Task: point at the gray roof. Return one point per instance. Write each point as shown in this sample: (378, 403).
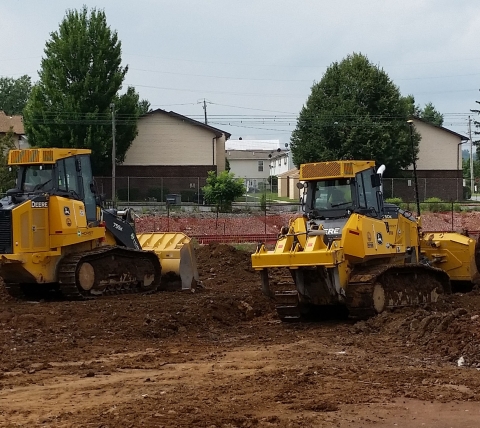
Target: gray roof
(248, 154)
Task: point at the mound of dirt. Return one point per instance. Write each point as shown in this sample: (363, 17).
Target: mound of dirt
(447, 329)
(224, 266)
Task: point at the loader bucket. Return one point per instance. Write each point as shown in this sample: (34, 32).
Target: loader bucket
(177, 258)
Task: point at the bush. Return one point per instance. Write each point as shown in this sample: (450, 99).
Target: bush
(467, 192)
(399, 203)
(263, 202)
(222, 189)
(435, 205)
(395, 201)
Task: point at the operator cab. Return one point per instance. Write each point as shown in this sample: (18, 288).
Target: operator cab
(340, 197)
(69, 177)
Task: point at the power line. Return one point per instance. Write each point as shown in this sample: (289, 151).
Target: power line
(222, 77)
(219, 92)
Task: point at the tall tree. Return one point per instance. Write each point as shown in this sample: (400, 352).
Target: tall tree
(355, 111)
(7, 175)
(143, 107)
(80, 77)
(14, 94)
(431, 114)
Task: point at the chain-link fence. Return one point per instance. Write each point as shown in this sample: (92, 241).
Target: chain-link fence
(263, 222)
(189, 189)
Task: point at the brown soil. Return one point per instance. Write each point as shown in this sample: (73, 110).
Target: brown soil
(219, 357)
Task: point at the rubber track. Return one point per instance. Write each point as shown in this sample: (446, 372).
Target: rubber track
(360, 288)
(69, 264)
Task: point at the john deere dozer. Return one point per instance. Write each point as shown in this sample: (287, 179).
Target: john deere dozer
(54, 234)
(350, 250)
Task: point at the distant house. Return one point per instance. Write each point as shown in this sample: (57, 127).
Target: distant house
(439, 168)
(171, 154)
(250, 165)
(280, 162)
(287, 184)
(15, 124)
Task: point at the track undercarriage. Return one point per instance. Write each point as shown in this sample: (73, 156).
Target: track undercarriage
(369, 292)
(105, 270)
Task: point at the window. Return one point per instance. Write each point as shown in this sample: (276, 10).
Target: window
(90, 203)
(279, 162)
(367, 195)
(38, 177)
(285, 160)
(260, 166)
(71, 176)
(333, 194)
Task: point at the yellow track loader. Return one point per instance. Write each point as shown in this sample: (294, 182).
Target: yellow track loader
(350, 250)
(54, 234)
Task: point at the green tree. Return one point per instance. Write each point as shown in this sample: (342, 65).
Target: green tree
(466, 168)
(355, 111)
(14, 94)
(143, 107)
(7, 175)
(430, 114)
(222, 189)
(80, 77)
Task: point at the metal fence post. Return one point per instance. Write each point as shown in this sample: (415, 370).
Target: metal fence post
(198, 190)
(452, 216)
(168, 217)
(265, 216)
(128, 189)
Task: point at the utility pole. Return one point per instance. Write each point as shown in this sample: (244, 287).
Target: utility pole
(114, 154)
(417, 197)
(205, 109)
(472, 181)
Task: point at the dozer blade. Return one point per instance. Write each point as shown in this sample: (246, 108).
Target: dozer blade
(177, 258)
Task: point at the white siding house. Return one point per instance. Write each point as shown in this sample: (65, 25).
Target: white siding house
(168, 138)
(252, 166)
(280, 162)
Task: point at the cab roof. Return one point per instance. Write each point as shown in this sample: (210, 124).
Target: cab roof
(334, 169)
(42, 155)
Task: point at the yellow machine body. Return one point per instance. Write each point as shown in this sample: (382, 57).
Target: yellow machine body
(339, 253)
(40, 228)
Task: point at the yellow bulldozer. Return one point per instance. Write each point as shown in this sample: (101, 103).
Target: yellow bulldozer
(352, 251)
(56, 235)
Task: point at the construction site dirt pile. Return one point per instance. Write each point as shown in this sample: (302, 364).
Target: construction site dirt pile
(218, 356)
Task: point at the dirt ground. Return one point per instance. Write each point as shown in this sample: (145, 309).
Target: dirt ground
(219, 357)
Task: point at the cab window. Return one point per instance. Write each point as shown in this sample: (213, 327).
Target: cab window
(68, 176)
(38, 177)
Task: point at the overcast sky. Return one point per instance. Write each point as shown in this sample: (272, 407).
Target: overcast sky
(255, 59)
